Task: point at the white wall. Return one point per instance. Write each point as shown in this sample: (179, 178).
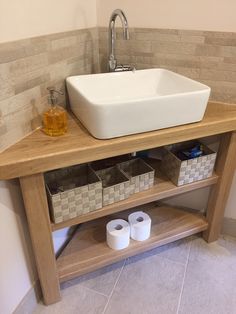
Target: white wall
(212, 15)
(16, 266)
(27, 18)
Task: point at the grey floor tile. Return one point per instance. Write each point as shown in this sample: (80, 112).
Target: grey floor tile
(177, 251)
(102, 280)
(210, 280)
(147, 285)
(151, 283)
(75, 300)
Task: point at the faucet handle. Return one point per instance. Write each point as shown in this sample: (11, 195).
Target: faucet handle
(124, 67)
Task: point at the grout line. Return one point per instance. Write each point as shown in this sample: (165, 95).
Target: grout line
(118, 277)
(112, 291)
(171, 260)
(98, 292)
(185, 271)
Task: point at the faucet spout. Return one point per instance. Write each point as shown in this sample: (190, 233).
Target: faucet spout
(126, 34)
(112, 63)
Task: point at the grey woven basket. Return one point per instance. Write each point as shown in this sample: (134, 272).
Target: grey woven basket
(188, 171)
(72, 192)
(116, 185)
(141, 175)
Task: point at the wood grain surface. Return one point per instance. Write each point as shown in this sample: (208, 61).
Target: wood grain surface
(225, 166)
(88, 250)
(36, 207)
(39, 153)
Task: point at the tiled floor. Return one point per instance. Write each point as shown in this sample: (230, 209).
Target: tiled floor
(187, 277)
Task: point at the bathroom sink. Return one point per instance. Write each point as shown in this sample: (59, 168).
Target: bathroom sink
(116, 104)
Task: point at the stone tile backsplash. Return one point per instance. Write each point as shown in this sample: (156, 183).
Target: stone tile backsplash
(29, 66)
(209, 57)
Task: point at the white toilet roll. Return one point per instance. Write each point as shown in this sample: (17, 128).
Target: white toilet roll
(118, 234)
(140, 226)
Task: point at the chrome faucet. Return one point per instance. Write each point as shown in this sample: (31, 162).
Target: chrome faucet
(112, 62)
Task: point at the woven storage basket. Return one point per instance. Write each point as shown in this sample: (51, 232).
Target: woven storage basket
(72, 192)
(187, 171)
(116, 185)
(141, 175)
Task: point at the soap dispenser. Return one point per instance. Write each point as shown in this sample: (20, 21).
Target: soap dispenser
(55, 119)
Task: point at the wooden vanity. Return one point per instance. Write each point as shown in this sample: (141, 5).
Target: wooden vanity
(87, 251)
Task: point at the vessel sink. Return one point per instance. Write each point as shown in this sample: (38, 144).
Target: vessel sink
(116, 104)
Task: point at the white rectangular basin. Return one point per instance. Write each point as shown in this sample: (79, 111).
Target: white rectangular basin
(116, 104)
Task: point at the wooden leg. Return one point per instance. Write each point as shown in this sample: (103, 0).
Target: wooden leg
(225, 166)
(35, 200)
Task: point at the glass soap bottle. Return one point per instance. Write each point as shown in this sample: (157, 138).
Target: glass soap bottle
(55, 119)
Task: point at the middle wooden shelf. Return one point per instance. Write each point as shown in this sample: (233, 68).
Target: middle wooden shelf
(163, 188)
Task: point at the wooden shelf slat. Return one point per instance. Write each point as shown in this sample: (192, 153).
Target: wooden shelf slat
(163, 188)
(88, 251)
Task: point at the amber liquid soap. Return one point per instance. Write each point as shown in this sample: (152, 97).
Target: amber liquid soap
(55, 119)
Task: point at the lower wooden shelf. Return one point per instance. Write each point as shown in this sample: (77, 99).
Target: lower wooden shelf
(88, 251)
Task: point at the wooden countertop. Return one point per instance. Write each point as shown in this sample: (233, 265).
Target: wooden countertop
(39, 153)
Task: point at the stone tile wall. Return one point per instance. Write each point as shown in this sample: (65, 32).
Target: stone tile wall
(209, 57)
(28, 67)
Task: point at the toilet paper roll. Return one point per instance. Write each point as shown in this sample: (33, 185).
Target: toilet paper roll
(118, 234)
(140, 226)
